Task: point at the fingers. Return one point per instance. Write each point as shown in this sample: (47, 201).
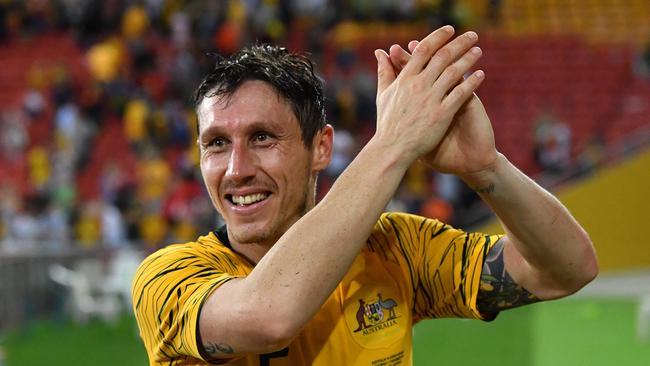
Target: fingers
(412, 45)
(453, 74)
(441, 73)
(444, 59)
(462, 92)
(399, 57)
(426, 48)
(385, 72)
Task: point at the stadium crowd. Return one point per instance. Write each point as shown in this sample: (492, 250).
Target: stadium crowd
(140, 64)
(100, 150)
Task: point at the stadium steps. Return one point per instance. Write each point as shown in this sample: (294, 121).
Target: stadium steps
(597, 21)
(578, 83)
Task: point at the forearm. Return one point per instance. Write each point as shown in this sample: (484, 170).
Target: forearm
(319, 248)
(557, 252)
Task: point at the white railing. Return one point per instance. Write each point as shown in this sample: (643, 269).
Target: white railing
(73, 282)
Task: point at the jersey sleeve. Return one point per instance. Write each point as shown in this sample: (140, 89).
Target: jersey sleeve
(168, 292)
(445, 265)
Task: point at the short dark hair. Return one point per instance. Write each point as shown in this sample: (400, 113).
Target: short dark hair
(291, 75)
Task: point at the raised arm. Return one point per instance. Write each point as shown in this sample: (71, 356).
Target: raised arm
(545, 254)
(265, 310)
(545, 251)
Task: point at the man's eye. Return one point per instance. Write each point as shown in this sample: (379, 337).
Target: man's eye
(262, 137)
(217, 143)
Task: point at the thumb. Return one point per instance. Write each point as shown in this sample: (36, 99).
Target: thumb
(385, 72)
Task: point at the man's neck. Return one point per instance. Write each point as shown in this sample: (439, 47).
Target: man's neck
(253, 252)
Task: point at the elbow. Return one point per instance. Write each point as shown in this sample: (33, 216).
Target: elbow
(590, 263)
(275, 335)
(272, 331)
(586, 268)
(248, 329)
(571, 278)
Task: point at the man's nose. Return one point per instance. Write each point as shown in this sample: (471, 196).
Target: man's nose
(242, 162)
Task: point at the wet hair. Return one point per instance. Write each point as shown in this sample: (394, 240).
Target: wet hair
(291, 75)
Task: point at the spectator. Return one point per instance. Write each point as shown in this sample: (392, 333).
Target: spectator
(437, 208)
(39, 168)
(552, 144)
(154, 174)
(641, 65)
(344, 149)
(34, 103)
(13, 134)
(136, 114)
(106, 59)
(88, 225)
(113, 233)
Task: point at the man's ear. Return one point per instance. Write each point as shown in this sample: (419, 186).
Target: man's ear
(322, 148)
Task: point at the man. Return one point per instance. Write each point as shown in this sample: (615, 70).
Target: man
(289, 282)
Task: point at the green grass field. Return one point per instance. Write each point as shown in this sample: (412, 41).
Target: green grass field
(65, 343)
(568, 332)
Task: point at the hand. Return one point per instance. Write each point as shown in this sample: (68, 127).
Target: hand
(416, 107)
(468, 148)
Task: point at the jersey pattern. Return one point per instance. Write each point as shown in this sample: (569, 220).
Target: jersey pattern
(412, 268)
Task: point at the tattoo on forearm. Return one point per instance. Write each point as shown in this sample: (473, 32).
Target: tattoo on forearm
(498, 291)
(485, 190)
(216, 348)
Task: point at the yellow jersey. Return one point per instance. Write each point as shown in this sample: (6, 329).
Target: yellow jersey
(411, 268)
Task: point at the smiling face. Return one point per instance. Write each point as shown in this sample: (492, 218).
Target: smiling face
(260, 175)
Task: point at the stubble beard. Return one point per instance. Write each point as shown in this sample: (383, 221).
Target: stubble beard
(276, 228)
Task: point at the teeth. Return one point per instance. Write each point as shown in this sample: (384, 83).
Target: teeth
(247, 200)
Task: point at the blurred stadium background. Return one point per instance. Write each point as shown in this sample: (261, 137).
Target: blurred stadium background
(98, 166)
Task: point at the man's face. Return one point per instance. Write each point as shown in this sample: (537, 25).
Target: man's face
(259, 174)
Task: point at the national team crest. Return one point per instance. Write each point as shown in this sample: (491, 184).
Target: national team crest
(376, 320)
(375, 313)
